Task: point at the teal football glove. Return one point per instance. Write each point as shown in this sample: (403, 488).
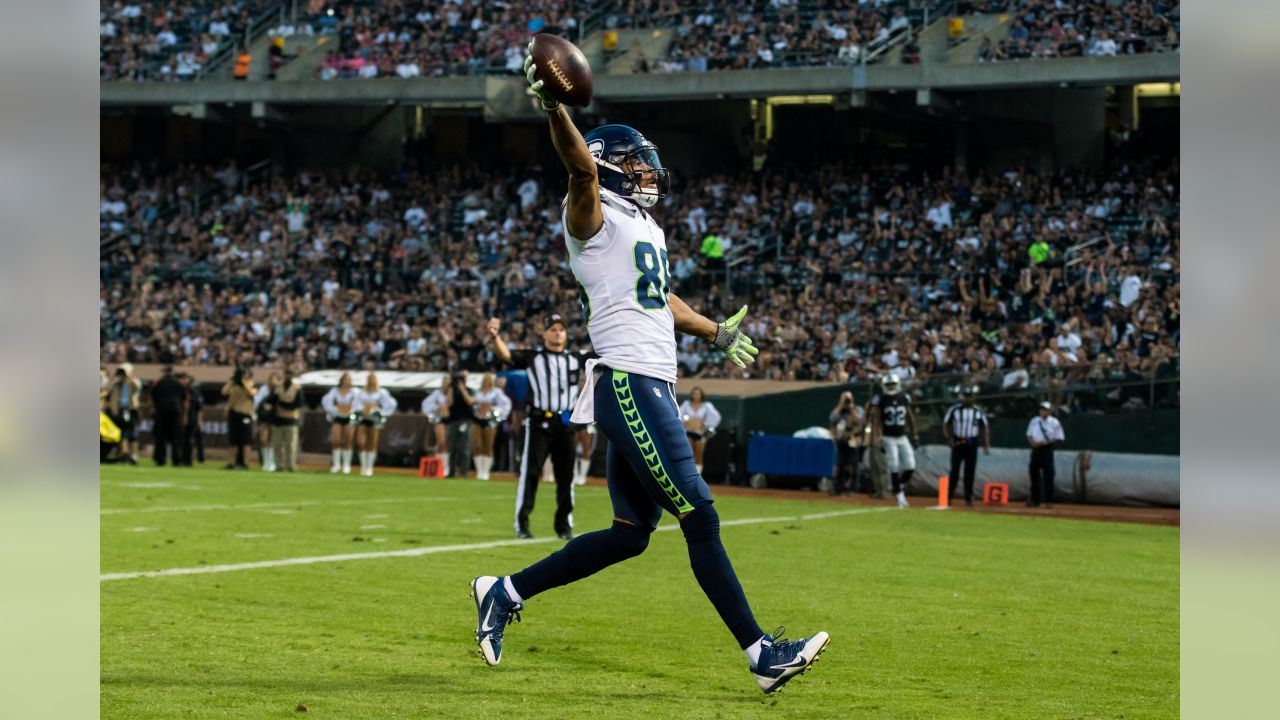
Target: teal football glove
(732, 342)
(535, 86)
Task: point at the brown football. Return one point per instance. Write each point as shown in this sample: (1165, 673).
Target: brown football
(563, 69)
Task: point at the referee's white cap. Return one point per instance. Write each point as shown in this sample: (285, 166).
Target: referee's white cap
(1046, 405)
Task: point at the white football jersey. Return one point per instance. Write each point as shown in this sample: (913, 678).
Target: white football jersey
(623, 280)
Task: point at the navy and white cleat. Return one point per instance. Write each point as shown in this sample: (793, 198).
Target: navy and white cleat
(496, 611)
(782, 659)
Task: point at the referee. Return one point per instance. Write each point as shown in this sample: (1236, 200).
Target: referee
(553, 387)
(961, 426)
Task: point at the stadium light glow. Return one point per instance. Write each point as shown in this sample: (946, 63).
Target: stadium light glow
(1158, 89)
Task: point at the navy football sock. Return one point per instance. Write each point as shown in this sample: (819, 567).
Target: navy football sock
(715, 574)
(583, 556)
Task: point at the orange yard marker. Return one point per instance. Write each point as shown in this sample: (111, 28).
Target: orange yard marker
(995, 494)
(431, 467)
(944, 484)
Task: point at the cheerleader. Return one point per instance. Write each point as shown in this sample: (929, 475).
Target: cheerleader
(700, 421)
(264, 410)
(338, 406)
(492, 406)
(373, 405)
(436, 408)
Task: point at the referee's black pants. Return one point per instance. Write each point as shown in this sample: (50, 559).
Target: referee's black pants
(1041, 475)
(546, 435)
(964, 453)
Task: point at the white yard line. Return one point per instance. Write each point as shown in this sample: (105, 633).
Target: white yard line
(296, 503)
(415, 552)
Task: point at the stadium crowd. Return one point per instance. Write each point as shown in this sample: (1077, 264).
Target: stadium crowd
(742, 34)
(149, 40)
(1064, 28)
(413, 38)
(1012, 279)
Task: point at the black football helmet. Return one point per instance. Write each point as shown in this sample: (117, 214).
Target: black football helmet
(628, 164)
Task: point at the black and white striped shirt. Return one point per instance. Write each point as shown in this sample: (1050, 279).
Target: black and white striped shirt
(965, 422)
(553, 377)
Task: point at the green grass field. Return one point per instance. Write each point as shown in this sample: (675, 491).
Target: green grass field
(932, 614)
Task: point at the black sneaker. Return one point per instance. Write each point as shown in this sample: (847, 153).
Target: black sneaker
(524, 535)
(968, 503)
(566, 535)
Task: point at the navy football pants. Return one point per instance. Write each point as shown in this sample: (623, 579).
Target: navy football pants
(649, 464)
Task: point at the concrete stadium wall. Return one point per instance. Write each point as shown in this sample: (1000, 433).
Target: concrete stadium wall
(472, 91)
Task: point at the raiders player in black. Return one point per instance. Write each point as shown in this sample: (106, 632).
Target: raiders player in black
(891, 423)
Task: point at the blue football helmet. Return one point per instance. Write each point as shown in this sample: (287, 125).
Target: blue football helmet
(628, 164)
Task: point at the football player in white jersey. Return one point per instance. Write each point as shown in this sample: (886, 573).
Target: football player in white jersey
(619, 256)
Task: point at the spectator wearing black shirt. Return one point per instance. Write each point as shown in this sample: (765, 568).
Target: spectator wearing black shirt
(191, 445)
(168, 397)
(460, 401)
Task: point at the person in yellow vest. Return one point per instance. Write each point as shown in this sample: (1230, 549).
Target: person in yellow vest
(712, 250)
(243, 58)
(284, 436)
(239, 394)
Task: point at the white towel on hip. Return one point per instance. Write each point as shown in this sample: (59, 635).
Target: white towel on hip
(584, 408)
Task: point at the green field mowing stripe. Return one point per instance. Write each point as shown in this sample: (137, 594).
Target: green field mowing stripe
(932, 614)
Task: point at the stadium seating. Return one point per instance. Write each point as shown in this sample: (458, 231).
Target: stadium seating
(148, 40)
(849, 275)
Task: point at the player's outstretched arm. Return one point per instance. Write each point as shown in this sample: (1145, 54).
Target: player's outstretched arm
(583, 215)
(689, 321)
(725, 336)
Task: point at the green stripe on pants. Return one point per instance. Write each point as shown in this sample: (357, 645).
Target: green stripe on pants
(631, 418)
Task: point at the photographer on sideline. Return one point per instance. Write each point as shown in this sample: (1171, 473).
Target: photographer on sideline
(460, 401)
(846, 423)
(124, 397)
(239, 394)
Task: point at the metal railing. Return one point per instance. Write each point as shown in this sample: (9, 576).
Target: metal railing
(258, 26)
